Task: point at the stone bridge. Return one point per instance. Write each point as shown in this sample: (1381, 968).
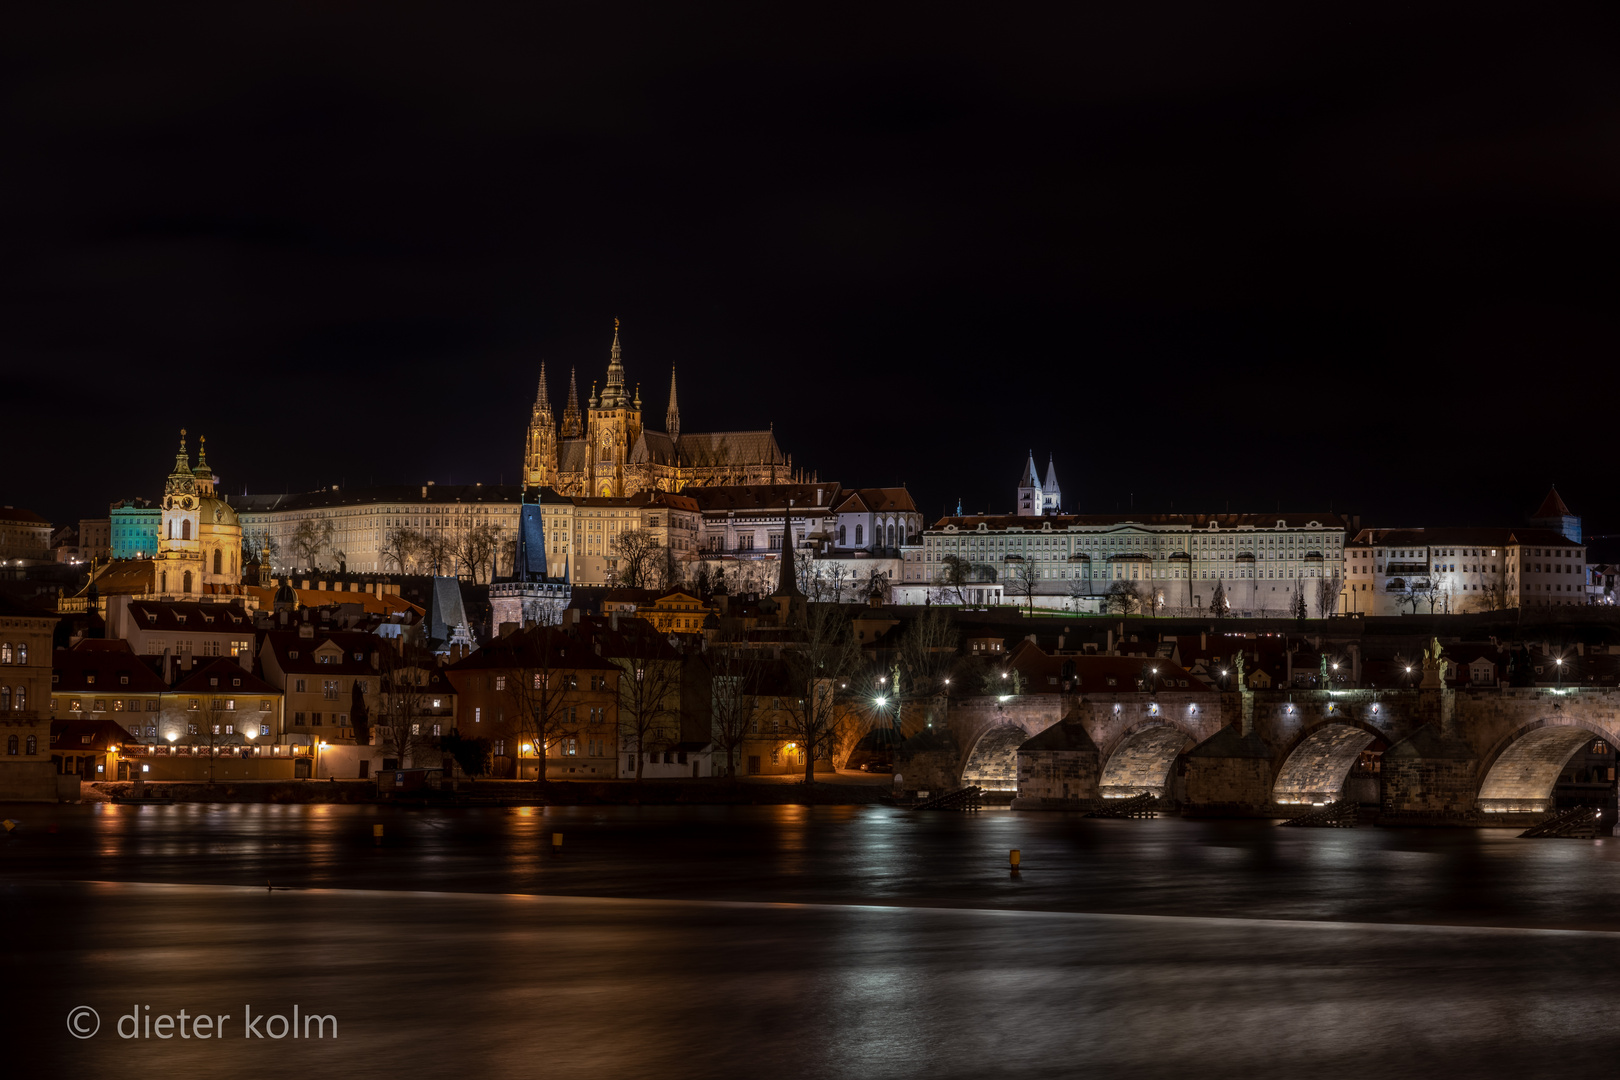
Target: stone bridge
(1445, 754)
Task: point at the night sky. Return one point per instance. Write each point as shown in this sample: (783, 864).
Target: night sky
(1212, 257)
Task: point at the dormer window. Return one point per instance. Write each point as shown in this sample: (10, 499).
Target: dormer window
(90, 680)
(293, 655)
(123, 680)
(180, 618)
(213, 680)
(151, 616)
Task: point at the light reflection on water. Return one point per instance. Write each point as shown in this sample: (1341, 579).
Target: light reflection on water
(906, 947)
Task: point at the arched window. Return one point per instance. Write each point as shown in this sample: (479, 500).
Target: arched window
(842, 538)
(5, 653)
(33, 744)
(11, 745)
(857, 536)
(219, 557)
(163, 582)
(171, 530)
(891, 536)
(22, 652)
(185, 529)
(187, 581)
(21, 700)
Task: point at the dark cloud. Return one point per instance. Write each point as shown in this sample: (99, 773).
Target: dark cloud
(1213, 256)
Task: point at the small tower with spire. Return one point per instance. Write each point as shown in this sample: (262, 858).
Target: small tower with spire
(1051, 496)
(573, 425)
(672, 416)
(540, 454)
(1030, 498)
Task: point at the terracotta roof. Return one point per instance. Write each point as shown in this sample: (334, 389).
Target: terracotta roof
(283, 643)
(111, 662)
(1552, 506)
(231, 676)
(386, 604)
(527, 648)
(765, 497)
(192, 616)
(21, 516)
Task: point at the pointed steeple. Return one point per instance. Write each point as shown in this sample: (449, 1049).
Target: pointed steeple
(202, 456)
(542, 401)
(182, 460)
(787, 580)
(572, 426)
(613, 394)
(1030, 478)
(672, 417)
(1051, 475)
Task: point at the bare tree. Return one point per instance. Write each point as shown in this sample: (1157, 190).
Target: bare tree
(649, 688)
(542, 685)
(401, 723)
(1023, 579)
(1125, 596)
(474, 548)
(737, 672)
(401, 547)
(955, 573)
(259, 546)
(826, 653)
(1327, 595)
(637, 554)
(876, 585)
(310, 537)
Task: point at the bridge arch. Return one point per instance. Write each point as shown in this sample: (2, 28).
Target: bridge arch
(1522, 770)
(992, 764)
(1141, 760)
(1316, 766)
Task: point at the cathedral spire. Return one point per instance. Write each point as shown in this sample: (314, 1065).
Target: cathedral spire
(613, 391)
(542, 401)
(182, 460)
(672, 418)
(572, 426)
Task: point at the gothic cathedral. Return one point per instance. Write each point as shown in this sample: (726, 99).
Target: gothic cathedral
(605, 452)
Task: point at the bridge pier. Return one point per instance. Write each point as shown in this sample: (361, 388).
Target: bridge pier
(1229, 774)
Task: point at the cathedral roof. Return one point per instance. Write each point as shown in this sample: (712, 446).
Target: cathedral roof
(653, 447)
(705, 448)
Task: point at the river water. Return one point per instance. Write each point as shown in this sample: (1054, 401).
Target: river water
(789, 941)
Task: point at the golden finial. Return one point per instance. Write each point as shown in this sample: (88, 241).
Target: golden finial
(615, 323)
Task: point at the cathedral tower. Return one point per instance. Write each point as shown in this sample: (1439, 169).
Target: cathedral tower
(614, 426)
(540, 456)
